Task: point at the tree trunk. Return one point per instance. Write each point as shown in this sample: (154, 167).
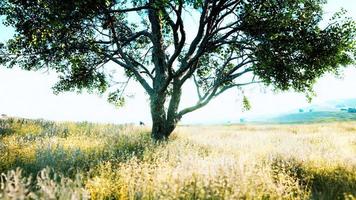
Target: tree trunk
(159, 131)
(159, 119)
(172, 115)
(163, 125)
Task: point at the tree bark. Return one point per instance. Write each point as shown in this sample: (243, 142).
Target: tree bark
(172, 113)
(159, 118)
(159, 131)
(164, 122)
(162, 128)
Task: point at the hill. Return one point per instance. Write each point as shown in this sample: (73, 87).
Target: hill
(315, 116)
(328, 111)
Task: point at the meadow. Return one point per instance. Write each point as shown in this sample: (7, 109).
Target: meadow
(52, 160)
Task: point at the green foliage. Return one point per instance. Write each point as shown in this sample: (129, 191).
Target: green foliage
(246, 106)
(54, 34)
(289, 48)
(116, 98)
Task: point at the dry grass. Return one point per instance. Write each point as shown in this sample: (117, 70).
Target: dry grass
(81, 161)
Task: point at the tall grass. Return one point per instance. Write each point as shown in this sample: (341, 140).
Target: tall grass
(48, 160)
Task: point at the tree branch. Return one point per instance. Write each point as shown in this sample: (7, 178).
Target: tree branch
(209, 97)
(137, 35)
(197, 87)
(158, 53)
(200, 103)
(146, 7)
(131, 68)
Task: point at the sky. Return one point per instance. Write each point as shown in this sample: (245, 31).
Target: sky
(29, 94)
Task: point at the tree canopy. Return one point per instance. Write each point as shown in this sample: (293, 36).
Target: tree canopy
(281, 43)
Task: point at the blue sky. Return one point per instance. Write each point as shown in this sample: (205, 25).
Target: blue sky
(29, 94)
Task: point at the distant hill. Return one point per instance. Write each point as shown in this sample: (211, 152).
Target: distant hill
(335, 105)
(335, 110)
(344, 103)
(318, 116)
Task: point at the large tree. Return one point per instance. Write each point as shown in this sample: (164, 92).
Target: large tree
(162, 44)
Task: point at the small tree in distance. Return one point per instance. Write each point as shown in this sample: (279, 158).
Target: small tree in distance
(276, 42)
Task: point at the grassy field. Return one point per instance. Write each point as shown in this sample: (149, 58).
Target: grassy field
(47, 160)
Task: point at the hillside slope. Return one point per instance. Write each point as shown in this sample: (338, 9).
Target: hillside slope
(317, 116)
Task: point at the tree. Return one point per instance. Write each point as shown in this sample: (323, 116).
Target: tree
(276, 42)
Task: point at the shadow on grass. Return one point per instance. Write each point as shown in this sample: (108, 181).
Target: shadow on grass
(339, 183)
(323, 183)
